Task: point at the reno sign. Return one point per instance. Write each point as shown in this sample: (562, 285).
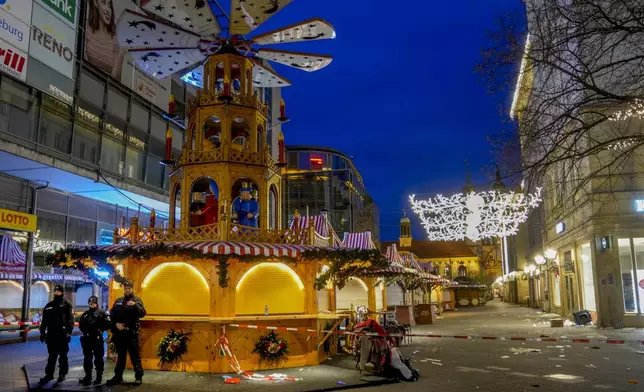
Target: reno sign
(52, 42)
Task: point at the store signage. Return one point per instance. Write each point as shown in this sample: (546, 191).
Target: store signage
(639, 205)
(14, 31)
(20, 9)
(13, 61)
(13, 220)
(560, 228)
(64, 9)
(52, 42)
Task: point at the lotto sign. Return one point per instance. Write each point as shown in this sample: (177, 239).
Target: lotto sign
(13, 220)
(13, 61)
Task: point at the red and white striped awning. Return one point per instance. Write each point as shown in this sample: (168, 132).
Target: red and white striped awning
(218, 247)
(358, 240)
(319, 221)
(11, 255)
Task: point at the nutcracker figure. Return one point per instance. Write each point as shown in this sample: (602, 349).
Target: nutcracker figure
(205, 210)
(245, 207)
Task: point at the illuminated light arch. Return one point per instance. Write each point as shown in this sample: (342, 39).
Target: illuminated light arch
(40, 282)
(11, 293)
(475, 216)
(275, 285)
(176, 288)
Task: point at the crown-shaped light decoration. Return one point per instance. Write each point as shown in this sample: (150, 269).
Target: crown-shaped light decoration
(474, 215)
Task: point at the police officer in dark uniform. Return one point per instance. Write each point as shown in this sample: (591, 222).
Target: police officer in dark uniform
(92, 324)
(56, 330)
(125, 314)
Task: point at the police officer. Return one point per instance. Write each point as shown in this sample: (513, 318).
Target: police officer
(92, 324)
(56, 330)
(125, 314)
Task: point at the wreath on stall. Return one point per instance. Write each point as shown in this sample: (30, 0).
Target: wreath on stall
(173, 346)
(271, 347)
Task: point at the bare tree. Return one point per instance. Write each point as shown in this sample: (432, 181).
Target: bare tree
(578, 103)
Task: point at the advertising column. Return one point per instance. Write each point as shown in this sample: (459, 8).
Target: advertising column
(15, 20)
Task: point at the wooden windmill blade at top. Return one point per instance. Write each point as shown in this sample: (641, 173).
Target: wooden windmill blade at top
(189, 33)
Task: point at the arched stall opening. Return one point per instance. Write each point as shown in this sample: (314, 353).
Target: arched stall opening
(269, 288)
(245, 207)
(176, 288)
(260, 138)
(204, 203)
(355, 292)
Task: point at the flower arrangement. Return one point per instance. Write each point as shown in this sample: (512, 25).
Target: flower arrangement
(271, 347)
(173, 346)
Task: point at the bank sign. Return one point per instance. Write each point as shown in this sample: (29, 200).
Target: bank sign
(52, 42)
(65, 10)
(13, 220)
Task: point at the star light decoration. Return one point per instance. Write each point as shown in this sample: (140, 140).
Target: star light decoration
(474, 215)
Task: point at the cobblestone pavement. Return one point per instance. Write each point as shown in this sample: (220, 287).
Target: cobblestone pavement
(448, 365)
(462, 365)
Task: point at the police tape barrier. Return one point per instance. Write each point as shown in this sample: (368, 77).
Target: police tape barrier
(12, 323)
(461, 337)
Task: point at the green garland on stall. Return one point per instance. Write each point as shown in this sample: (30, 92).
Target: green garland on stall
(271, 347)
(173, 346)
(343, 263)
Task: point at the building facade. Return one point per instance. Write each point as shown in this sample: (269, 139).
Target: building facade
(592, 230)
(319, 179)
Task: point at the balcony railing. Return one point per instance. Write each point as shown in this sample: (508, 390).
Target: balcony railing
(224, 230)
(227, 154)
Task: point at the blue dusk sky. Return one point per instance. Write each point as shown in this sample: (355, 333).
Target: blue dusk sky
(401, 96)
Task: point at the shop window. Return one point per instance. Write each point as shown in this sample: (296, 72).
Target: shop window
(107, 213)
(53, 201)
(556, 290)
(18, 110)
(86, 144)
(89, 117)
(115, 128)
(83, 208)
(588, 278)
(155, 171)
(135, 163)
(137, 138)
(304, 160)
(140, 116)
(117, 103)
(112, 155)
(51, 226)
(81, 231)
(291, 159)
(177, 139)
(92, 88)
(632, 272)
(317, 161)
(56, 126)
